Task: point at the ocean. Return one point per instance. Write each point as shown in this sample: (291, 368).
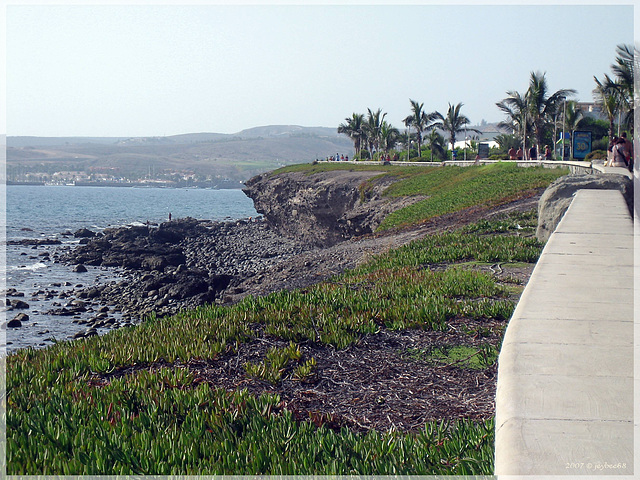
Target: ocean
(52, 212)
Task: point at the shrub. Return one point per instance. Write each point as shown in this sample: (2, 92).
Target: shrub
(426, 157)
(601, 144)
(597, 154)
(499, 156)
(364, 155)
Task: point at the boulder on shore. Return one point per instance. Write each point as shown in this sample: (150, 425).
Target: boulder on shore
(17, 304)
(558, 196)
(84, 233)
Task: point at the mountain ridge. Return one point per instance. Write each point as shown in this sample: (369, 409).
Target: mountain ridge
(21, 141)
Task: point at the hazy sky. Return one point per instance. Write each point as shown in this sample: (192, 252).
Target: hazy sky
(160, 69)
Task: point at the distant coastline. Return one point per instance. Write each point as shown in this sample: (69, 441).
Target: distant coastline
(230, 185)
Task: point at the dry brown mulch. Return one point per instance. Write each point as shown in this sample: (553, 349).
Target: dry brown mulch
(382, 382)
(378, 383)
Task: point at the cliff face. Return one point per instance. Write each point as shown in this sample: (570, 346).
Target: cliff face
(323, 208)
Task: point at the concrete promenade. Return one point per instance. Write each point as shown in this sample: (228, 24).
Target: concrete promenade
(564, 400)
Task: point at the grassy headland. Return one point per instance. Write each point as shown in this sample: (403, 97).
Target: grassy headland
(449, 189)
(229, 390)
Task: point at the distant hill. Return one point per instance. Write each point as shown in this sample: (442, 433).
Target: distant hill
(268, 131)
(19, 142)
(236, 156)
(287, 130)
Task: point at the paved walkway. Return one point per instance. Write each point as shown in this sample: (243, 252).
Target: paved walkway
(564, 401)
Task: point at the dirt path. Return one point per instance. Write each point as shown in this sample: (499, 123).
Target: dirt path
(316, 265)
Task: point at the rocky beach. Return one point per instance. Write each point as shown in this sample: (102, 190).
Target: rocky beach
(310, 228)
(298, 242)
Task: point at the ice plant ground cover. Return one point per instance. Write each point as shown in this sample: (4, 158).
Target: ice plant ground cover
(138, 401)
(386, 369)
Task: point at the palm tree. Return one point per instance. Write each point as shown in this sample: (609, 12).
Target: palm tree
(542, 107)
(436, 144)
(372, 127)
(506, 141)
(420, 120)
(453, 123)
(389, 136)
(515, 107)
(407, 137)
(353, 129)
(606, 95)
(623, 70)
(572, 118)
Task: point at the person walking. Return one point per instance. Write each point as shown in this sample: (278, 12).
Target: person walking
(628, 151)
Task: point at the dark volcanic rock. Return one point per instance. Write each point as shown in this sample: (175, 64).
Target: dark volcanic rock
(35, 241)
(17, 304)
(180, 264)
(84, 233)
(20, 318)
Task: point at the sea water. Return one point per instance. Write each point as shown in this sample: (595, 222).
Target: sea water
(52, 212)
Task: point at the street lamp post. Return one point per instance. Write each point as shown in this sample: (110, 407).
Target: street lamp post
(465, 143)
(564, 121)
(555, 131)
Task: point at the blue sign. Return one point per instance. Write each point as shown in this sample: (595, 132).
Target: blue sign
(581, 144)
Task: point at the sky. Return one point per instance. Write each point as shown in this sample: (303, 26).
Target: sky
(155, 69)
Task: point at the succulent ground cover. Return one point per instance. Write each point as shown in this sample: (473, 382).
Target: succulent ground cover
(386, 369)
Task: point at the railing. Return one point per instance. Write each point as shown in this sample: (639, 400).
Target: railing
(575, 167)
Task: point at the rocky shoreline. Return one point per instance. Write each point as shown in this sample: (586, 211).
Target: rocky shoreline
(184, 263)
(180, 264)
(187, 263)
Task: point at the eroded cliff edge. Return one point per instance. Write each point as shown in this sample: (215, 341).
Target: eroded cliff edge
(324, 208)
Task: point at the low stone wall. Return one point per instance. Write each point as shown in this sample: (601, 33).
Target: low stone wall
(564, 400)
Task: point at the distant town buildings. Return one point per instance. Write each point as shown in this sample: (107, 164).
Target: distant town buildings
(591, 109)
(109, 176)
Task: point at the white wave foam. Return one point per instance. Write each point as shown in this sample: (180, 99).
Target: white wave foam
(33, 267)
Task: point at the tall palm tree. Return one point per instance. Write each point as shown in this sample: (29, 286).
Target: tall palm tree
(606, 95)
(407, 137)
(420, 120)
(543, 107)
(353, 128)
(623, 70)
(453, 123)
(372, 127)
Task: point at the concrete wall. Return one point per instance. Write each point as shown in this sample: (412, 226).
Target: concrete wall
(564, 399)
